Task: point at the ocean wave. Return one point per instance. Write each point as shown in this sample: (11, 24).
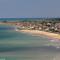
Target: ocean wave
(41, 48)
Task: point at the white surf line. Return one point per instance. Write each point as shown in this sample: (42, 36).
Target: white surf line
(16, 29)
(54, 40)
(57, 47)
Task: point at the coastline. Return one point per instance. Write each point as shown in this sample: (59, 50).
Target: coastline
(37, 33)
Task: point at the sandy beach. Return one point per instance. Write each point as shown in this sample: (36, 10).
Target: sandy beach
(37, 33)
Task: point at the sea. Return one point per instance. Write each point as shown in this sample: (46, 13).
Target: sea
(15, 45)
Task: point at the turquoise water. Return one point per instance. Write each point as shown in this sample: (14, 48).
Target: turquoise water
(21, 46)
(20, 19)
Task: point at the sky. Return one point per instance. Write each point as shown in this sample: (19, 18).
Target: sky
(29, 8)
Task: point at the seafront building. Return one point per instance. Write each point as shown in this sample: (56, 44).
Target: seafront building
(48, 26)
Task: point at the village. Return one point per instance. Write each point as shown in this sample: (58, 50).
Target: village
(44, 26)
(41, 25)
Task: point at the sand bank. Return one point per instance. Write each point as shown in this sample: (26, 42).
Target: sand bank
(36, 32)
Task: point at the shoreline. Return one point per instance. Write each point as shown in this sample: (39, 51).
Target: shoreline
(38, 33)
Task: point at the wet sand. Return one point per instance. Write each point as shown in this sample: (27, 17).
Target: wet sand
(37, 33)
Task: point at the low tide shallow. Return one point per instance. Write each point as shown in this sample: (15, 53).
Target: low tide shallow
(21, 46)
